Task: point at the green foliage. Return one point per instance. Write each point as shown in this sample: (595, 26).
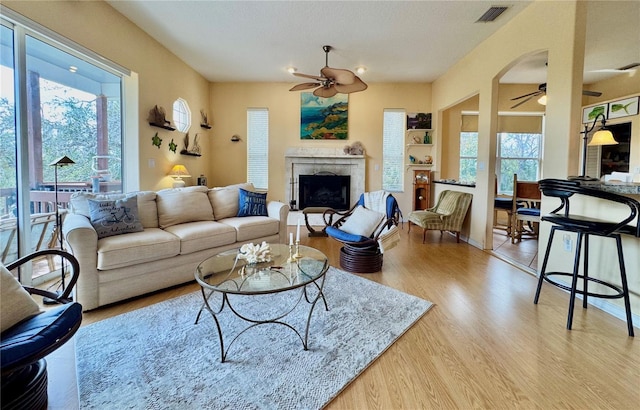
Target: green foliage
(69, 127)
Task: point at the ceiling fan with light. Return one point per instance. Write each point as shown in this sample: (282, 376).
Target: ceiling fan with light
(331, 81)
(542, 91)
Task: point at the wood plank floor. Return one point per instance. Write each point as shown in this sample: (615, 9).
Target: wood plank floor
(484, 344)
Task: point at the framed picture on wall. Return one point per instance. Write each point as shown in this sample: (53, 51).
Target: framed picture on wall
(623, 108)
(590, 113)
(419, 121)
(324, 118)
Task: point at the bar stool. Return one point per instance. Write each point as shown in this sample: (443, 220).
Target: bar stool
(584, 227)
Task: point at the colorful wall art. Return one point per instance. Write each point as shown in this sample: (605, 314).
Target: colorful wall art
(323, 118)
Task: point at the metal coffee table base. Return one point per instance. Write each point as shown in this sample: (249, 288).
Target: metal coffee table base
(253, 322)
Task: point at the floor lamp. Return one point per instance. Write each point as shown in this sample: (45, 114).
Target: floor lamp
(603, 136)
(60, 162)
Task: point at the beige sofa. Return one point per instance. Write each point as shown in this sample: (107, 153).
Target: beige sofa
(180, 228)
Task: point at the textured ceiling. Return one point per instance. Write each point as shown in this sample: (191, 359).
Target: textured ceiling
(398, 41)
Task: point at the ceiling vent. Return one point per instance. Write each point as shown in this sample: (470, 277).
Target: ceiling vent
(491, 14)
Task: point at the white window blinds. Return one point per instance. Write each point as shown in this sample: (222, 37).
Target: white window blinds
(258, 147)
(393, 150)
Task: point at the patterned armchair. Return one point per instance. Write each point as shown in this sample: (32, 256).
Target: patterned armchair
(447, 215)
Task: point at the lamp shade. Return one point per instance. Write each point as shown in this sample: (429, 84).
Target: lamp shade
(543, 100)
(179, 171)
(602, 137)
(62, 161)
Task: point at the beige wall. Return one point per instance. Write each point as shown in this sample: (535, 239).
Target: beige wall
(229, 103)
(479, 72)
(163, 78)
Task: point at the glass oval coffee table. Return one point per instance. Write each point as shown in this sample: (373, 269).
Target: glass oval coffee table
(226, 280)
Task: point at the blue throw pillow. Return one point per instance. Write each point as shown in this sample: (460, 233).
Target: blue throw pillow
(252, 203)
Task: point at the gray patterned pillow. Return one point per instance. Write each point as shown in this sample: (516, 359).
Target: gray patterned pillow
(115, 217)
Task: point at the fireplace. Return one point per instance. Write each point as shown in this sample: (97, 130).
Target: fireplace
(322, 161)
(326, 190)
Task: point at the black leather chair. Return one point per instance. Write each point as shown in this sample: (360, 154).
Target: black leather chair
(584, 227)
(25, 344)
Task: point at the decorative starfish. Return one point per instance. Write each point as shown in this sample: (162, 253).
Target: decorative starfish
(172, 146)
(156, 141)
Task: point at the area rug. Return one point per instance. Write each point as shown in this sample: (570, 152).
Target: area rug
(157, 358)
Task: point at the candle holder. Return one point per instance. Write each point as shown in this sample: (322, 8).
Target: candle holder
(292, 257)
(297, 255)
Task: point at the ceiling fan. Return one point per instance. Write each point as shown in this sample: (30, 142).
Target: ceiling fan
(542, 90)
(331, 81)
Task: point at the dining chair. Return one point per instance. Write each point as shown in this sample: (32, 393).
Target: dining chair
(525, 207)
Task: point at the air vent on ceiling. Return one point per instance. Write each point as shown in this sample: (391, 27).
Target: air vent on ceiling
(491, 14)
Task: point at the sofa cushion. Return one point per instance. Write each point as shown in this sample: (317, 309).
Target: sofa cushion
(115, 217)
(252, 227)
(16, 304)
(180, 205)
(138, 247)
(196, 236)
(251, 203)
(147, 209)
(225, 200)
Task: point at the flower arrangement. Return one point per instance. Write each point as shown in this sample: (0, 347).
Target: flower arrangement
(254, 253)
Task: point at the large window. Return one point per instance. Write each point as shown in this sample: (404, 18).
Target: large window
(519, 149)
(258, 147)
(57, 99)
(393, 150)
(517, 154)
(468, 156)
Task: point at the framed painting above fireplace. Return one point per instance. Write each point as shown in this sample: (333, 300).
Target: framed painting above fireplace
(323, 118)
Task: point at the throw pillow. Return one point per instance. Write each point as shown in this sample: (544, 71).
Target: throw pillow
(251, 203)
(362, 221)
(16, 304)
(115, 217)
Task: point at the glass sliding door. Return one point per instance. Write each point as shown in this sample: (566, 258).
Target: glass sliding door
(69, 107)
(8, 160)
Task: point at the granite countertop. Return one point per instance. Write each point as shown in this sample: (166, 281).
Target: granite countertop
(454, 182)
(624, 188)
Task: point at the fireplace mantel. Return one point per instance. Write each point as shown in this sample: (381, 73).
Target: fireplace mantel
(310, 161)
(304, 152)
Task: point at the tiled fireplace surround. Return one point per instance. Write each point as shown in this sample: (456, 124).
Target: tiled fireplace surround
(310, 161)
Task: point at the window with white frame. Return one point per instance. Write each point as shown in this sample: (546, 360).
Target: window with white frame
(468, 156)
(258, 147)
(519, 149)
(181, 115)
(393, 130)
(518, 153)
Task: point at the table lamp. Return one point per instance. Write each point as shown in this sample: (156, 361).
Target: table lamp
(177, 172)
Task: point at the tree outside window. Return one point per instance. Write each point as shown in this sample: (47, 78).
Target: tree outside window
(468, 156)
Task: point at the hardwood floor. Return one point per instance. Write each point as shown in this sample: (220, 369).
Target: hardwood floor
(484, 344)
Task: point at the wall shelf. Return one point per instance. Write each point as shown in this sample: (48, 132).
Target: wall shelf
(193, 154)
(205, 126)
(166, 127)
